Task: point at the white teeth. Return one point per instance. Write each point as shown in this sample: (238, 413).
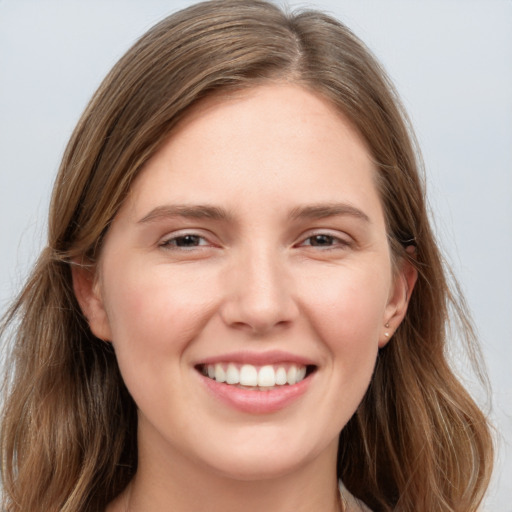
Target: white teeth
(248, 375)
(232, 374)
(291, 375)
(280, 376)
(267, 376)
(220, 374)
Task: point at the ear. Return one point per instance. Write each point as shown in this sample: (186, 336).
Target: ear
(88, 294)
(404, 280)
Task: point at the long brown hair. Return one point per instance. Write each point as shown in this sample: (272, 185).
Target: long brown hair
(68, 437)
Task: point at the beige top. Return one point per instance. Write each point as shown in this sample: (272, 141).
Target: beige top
(351, 503)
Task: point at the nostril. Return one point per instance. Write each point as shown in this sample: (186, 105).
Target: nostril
(259, 303)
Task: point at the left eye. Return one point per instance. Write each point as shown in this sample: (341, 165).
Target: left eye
(320, 240)
(185, 241)
(323, 240)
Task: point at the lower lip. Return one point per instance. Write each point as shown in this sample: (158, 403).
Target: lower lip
(254, 401)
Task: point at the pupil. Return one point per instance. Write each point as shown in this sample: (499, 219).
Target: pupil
(321, 240)
(187, 241)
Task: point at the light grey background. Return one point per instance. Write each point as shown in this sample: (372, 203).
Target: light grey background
(450, 59)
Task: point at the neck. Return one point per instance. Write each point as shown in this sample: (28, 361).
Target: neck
(181, 485)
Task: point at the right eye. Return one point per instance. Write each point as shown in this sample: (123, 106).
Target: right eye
(185, 241)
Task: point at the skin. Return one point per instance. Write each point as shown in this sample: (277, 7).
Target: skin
(267, 276)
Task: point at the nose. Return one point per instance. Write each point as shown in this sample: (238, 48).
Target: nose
(260, 294)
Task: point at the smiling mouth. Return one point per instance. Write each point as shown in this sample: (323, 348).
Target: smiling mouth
(258, 378)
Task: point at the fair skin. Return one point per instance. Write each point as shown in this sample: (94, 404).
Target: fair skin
(255, 237)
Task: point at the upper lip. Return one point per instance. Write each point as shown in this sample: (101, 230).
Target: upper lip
(258, 358)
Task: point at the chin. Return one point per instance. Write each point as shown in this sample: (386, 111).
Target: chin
(265, 460)
(258, 468)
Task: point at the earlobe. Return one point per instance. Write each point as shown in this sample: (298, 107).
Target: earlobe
(88, 294)
(396, 309)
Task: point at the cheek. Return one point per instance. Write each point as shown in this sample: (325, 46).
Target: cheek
(347, 310)
(155, 313)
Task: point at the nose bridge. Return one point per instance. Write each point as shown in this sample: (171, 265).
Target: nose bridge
(261, 295)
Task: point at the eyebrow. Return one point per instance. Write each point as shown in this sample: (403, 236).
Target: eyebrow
(188, 211)
(321, 211)
(315, 211)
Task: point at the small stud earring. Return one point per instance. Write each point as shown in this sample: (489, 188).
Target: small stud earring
(386, 333)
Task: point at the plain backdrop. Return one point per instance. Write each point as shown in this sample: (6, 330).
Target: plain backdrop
(451, 61)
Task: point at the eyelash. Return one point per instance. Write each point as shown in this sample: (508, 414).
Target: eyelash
(196, 241)
(335, 241)
(172, 243)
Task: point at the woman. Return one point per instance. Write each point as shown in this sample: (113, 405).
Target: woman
(241, 303)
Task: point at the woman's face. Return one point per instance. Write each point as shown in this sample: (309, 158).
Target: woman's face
(252, 248)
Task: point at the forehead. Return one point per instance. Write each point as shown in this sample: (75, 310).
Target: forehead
(274, 104)
(279, 142)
